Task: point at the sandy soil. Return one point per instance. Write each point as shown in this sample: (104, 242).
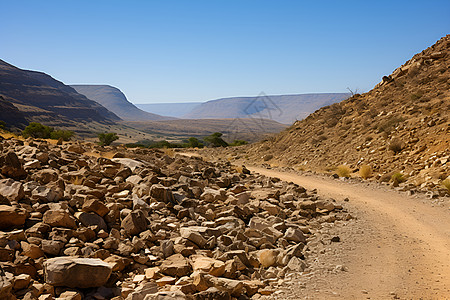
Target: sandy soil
(396, 247)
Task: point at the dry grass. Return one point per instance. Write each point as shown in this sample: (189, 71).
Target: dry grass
(446, 184)
(343, 171)
(365, 171)
(169, 152)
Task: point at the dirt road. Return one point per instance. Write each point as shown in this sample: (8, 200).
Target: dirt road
(398, 247)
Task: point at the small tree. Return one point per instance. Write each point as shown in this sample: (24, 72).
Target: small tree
(215, 140)
(193, 143)
(107, 138)
(65, 135)
(37, 130)
(238, 143)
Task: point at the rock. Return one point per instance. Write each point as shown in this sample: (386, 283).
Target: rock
(209, 265)
(296, 264)
(143, 290)
(21, 281)
(212, 293)
(6, 287)
(59, 218)
(268, 257)
(175, 265)
(96, 206)
(76, 272)
(166, 280)
(234, 287)
(134, 223)
(70, 295)
(46, 194)
(10, 166)
(166, 295)
(294, 235)
(11, 190)
(51, 247)
(31, 250)
(191, 233)
(11, 216)
(91, 219)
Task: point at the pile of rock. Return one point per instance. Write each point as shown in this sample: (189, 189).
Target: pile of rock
(144, 225)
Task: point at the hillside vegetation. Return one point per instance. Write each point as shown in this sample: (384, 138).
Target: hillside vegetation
(401, 126)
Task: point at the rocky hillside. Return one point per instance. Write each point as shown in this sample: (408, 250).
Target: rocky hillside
(114, 100)
(41, 98)
(284, 109)
(402, 125)
(143, 225)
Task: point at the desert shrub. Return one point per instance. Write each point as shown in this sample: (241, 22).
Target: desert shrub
(396, 146)
(215, 140)
(365, 171)
(105, 139)
(398, 178)
(416, 96)
(238, 143)
(388, 125)
(65, 135)
(169, 152)
(446, 184)
(37, 130)
(343, 171)
(193, 142)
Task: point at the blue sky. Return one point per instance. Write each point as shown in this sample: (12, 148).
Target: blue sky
(180, 51)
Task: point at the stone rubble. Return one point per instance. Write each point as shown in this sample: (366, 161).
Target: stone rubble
(145, 225)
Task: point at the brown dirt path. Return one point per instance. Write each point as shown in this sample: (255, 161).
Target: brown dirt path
(398, 246)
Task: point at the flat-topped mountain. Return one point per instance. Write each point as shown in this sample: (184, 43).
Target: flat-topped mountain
(177, 110)
(284, 109)
(114, 100)
(40, 98)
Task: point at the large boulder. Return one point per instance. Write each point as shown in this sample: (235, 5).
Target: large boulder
(175, 265)
(11, 166)
(11, 190)
(11, 216)
(76, 272)
(59, 218)
(134, 223)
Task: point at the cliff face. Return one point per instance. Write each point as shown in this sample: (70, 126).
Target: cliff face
(41, 98)
(114, 100)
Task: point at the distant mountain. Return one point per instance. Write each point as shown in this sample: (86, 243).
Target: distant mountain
(36, 96)
(114, 100)
(176, 110)
(285, 109)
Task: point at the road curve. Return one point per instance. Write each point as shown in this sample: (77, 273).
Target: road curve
(399, 247)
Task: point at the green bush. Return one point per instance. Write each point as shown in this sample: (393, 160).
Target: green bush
(65, 135)
(398, 178)
(107, 138)
(3, 125)
(193, 142)
(215, 140)
(239, 143)
(37, 130)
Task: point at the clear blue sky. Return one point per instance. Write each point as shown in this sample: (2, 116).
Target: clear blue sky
(179, 51)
